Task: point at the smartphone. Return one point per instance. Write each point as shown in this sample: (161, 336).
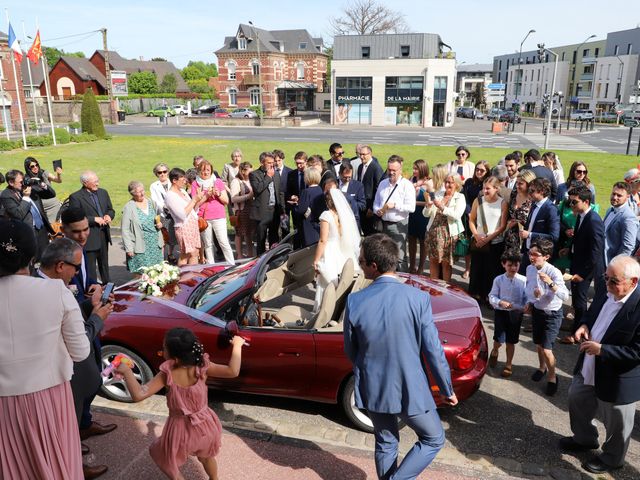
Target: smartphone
(106, 293)
(432, 196)
(57, 164)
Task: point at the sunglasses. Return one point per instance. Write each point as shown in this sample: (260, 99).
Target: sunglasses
(480, 170)
(162, 172)
(461, 154)
(77, 267)
(33, 165)
(339, 154)
(614, 280)
(581, 171)
(572, 203)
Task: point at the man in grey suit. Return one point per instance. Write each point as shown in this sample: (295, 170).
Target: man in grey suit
(387, 327)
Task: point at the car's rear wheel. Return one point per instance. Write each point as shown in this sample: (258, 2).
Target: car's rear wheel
(359, 418)
(114, 388)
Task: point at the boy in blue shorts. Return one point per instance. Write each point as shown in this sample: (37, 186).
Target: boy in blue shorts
(545, 293)
(508, 299)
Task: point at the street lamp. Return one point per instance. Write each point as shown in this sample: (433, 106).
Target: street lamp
(255, 32)
(519, 71)
(541, 51)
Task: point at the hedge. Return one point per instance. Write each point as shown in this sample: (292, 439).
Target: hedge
(62, 136)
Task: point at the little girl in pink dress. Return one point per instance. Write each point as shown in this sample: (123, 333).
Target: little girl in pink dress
(192, 427)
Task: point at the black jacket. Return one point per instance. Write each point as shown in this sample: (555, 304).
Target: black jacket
(587, 257)
(82, 200)
(260, 185)
(14, 207)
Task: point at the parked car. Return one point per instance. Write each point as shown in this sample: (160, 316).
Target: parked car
(581, 115)
(494, 114)
(221, 113)
(509, 116)
(243, 113)
(205, 109)
(180, 109)
(162, 111)
(462, 112)
(292, 352)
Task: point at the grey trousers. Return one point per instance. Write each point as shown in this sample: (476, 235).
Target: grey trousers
(617, 419)
(398, 233)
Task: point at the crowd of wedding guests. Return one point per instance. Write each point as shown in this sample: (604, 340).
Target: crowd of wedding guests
(527, 234)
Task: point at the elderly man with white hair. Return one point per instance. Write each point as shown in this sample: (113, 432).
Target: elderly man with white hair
(96, 204)
(606, 377)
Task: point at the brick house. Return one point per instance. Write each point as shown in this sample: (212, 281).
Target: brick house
(290, 65)
(10, 95)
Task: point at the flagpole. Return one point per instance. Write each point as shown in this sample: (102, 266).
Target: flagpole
(45, 72)
(33, 99)
(15, 79)
(4, 109)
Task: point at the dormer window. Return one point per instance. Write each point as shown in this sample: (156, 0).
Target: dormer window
(242, 43)
(302, 46)
(404, 50)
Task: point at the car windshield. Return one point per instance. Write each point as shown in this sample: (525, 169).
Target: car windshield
(219, 287)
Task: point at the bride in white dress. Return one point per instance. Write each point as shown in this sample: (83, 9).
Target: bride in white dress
(339, 240)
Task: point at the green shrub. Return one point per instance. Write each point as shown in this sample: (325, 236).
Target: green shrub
(6, 145)
(39, 141)
(256, 108)
(90, 117)
(62, 136)
(75, 125)
(84, 137)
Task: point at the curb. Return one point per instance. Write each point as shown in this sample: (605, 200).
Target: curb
(355, 442)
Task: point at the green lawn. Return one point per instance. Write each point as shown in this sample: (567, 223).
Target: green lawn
(123, 159)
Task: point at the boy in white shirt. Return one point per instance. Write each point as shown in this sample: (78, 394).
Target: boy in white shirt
(508, 299)
(545, 293)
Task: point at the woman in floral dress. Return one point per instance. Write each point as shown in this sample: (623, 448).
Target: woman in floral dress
(519, 206)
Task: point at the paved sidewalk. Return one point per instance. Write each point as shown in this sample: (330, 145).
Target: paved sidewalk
(244, 455)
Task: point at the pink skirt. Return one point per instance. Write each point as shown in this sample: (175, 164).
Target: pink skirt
(188, 235)
(39, 436)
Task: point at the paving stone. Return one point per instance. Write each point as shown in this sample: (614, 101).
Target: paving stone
(508, 464)
(335, 435)
(565, 474)
(244, 424)
(533, 469)
(451, 456)
(312, 431)
(370, 441)
(482, 461)
(356, 439)
(264, 427)
(287, 430)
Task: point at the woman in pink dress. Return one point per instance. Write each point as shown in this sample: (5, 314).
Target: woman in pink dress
(183, 210)
(192, 427)
(39, 341)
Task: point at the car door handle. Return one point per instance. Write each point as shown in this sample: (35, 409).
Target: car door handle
(291, 353)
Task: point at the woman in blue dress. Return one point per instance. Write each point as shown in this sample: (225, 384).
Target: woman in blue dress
(417, 221)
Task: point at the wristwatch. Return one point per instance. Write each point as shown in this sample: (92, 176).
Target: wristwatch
(551, 285)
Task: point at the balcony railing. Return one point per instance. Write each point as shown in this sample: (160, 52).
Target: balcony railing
(586, 77)
(251, 79)
(589, 60)
(584, 93)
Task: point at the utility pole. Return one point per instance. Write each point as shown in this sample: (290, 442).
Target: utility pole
(541, 51)
(519, 71)
(107, 67)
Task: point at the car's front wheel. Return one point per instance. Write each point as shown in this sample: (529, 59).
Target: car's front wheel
(359, 418)
(115, 388)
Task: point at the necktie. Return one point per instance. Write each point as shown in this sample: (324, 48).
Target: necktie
(364, 169)
(37, 218)
(575, 230)
(94, 197)
(300, 181)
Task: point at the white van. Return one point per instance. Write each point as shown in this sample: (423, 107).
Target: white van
(582, 115)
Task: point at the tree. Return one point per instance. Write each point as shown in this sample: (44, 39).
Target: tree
(477, 97)
(169, 84)
(53, 54)
(199, 70)
(143, 82)
(199, 85)
(158, 59)
(329, 52)
(368, 17)
(90, 117)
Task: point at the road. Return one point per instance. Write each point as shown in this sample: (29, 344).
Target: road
(606, 138)
(512, 422)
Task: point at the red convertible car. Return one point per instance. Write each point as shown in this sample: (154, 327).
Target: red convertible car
(293, 352)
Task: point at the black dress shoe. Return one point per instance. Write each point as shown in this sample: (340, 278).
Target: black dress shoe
(93, 472)
(552, 387)
(84, 448)
(595, 465)
(568, 444)
(96, 429)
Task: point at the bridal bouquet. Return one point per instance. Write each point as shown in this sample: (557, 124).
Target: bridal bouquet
(157, 279)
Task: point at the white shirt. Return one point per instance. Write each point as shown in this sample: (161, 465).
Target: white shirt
(158, 193)
(511, 182)
(533, 219)
(549, 301)
(468, 169)
(404, 198)
(609, 311)
(512, 290)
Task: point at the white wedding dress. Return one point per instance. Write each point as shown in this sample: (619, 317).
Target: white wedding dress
(343, 243)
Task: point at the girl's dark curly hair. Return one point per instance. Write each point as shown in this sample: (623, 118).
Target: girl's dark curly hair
(183, 345)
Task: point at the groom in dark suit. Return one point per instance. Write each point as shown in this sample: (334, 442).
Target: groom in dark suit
(388, 327)
(606, 378)
(96, 205)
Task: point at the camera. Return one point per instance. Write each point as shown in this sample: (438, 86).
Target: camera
(30, 182)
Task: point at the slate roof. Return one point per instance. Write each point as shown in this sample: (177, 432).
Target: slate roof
(85, 69)
(272, 41)
(134, 66)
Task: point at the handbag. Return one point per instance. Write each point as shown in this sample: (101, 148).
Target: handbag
(461, 248)
(378, 225)
(233, 220)
(202, 224)
(473, 246)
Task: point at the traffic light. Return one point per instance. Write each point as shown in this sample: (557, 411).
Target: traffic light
(541, 52)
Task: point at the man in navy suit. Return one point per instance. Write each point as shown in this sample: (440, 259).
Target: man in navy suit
(284, 171)
(543, 221)
(369, 174)
(534, 162)
(388, 326)
(606, 378)
(76, 227)
(585, 253)
(352, 188)
(294, 187)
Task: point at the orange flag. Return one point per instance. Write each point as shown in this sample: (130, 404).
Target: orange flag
(35, 52)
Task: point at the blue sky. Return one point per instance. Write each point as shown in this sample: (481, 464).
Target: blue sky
(191, 30)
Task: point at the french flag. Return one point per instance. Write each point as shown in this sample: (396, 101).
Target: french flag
(14, 45)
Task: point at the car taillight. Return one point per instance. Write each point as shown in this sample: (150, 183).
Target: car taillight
(466, 359)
